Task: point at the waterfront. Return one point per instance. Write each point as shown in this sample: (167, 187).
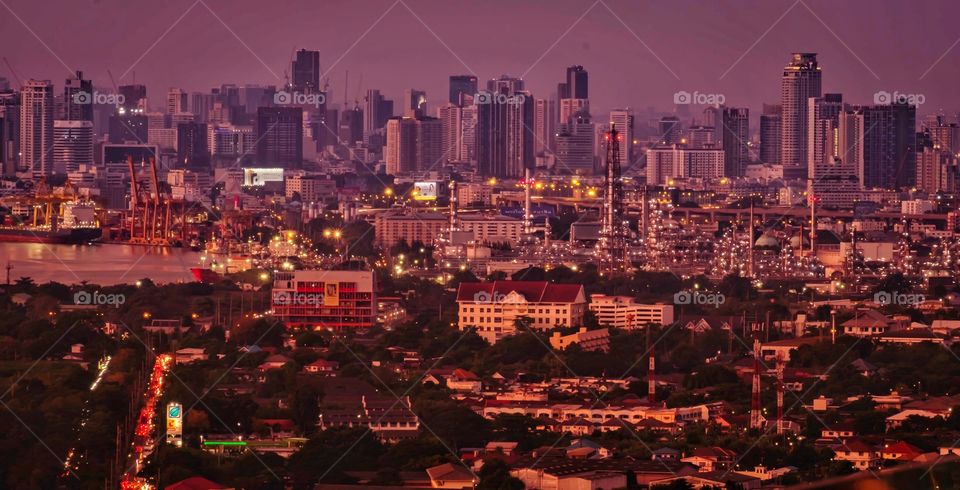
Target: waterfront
(103, 264)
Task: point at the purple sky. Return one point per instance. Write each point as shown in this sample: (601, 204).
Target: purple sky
(864, 46)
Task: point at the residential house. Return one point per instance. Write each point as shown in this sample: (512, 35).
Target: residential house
(452, 476)
(861, 455)
(711, 458)
(322, 366)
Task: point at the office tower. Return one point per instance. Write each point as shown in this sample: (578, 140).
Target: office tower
(229, 141)
(944, 135)
(569, 108)
(575, 146)
(771, 129)
(177, 101)
(279, 137)
(415, 102)
(835, 175)
(201, 104)
(36, 127)
(934, 165)
(192, 145)
(665, 163)
(575, 85)
(504, 128)
(670, 130)
(468, 133)
(134, 97)
(451, 121)
(376, 112)
(10, 132)
(701, 137)
(252, 97)
(544, 126)
(622, 121)
(72, 145)
(823, 115)
(462, 85)
(889, 146)
(305, 70)
(78, 99)
(413, 144)
(129, 127)
(351, 126)
(801, 80)
(734, 132)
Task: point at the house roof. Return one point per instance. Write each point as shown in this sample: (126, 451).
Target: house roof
(854, 445)
(450, 472)
(195, 483)
(868, 318)
(714, 452)
(531, 291)
(908, 451)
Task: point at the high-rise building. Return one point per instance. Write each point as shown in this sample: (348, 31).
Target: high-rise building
(376, 112)
(280, 136)
(504, 128)
(201, 104)
(701, 137)
(944, 135)
(936, 166)
(36, 127)
(10, 132)
(72, 145)
(835, 175)
(305, 71)
(670, 130)
(177, 101)
(192, 145)
(462, 85)
(413, 144)
(667, 162)
(229, 141)
(134, 97)
(801, 80)
(889, 146)
(451, 121)
(415, 102)
(78, 99)
(771, 130)
(575, 85)
(351, 126)
(570, 108)
(129, 126)
(468, 130)
(575, 146)
(823, 114)
(544, 126)
(622, 121)
(735, 132)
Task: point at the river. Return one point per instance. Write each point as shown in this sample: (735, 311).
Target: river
(103, 264)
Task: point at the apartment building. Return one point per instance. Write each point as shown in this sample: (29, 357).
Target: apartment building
(625, 312)
(493, 307)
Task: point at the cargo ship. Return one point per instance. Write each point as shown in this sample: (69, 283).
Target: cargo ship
(78, 225)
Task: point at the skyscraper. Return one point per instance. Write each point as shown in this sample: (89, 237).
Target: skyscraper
(10, 132)
(504, 128)
(935, 165)
(376, 112)
(801, 80)
(351, 126)
(280, 136)
(734, 129)
(575, 85)
(544, 126)
(771, 129)
(415, 102)
(575, 146)
(36, 127)
(192, 145)
(306, 71)
(451, 121)
(622, 121)
(569, 108)
(890, 146)
(72, 145)
(176, 101)
(669, 129)
(413, 144)
(823, 115)
(462, 85)
(134, 97)
(78, 99)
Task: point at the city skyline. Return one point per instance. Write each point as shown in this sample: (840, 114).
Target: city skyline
(725, 49)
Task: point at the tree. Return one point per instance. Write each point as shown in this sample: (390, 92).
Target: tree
(495, 475)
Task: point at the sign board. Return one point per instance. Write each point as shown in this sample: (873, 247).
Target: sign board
(424, 191)
(175, 424)
(259, 177)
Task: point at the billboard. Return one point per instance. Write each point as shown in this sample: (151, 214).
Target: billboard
(331, 294)
(536, 211)
(424, 191)
(259, 177)
(175, 424)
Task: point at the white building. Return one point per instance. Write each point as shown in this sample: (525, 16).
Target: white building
(625, 312)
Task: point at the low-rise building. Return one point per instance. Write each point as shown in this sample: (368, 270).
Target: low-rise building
(322, 299)
(625, 312)
(493, 308)
(588, 340)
